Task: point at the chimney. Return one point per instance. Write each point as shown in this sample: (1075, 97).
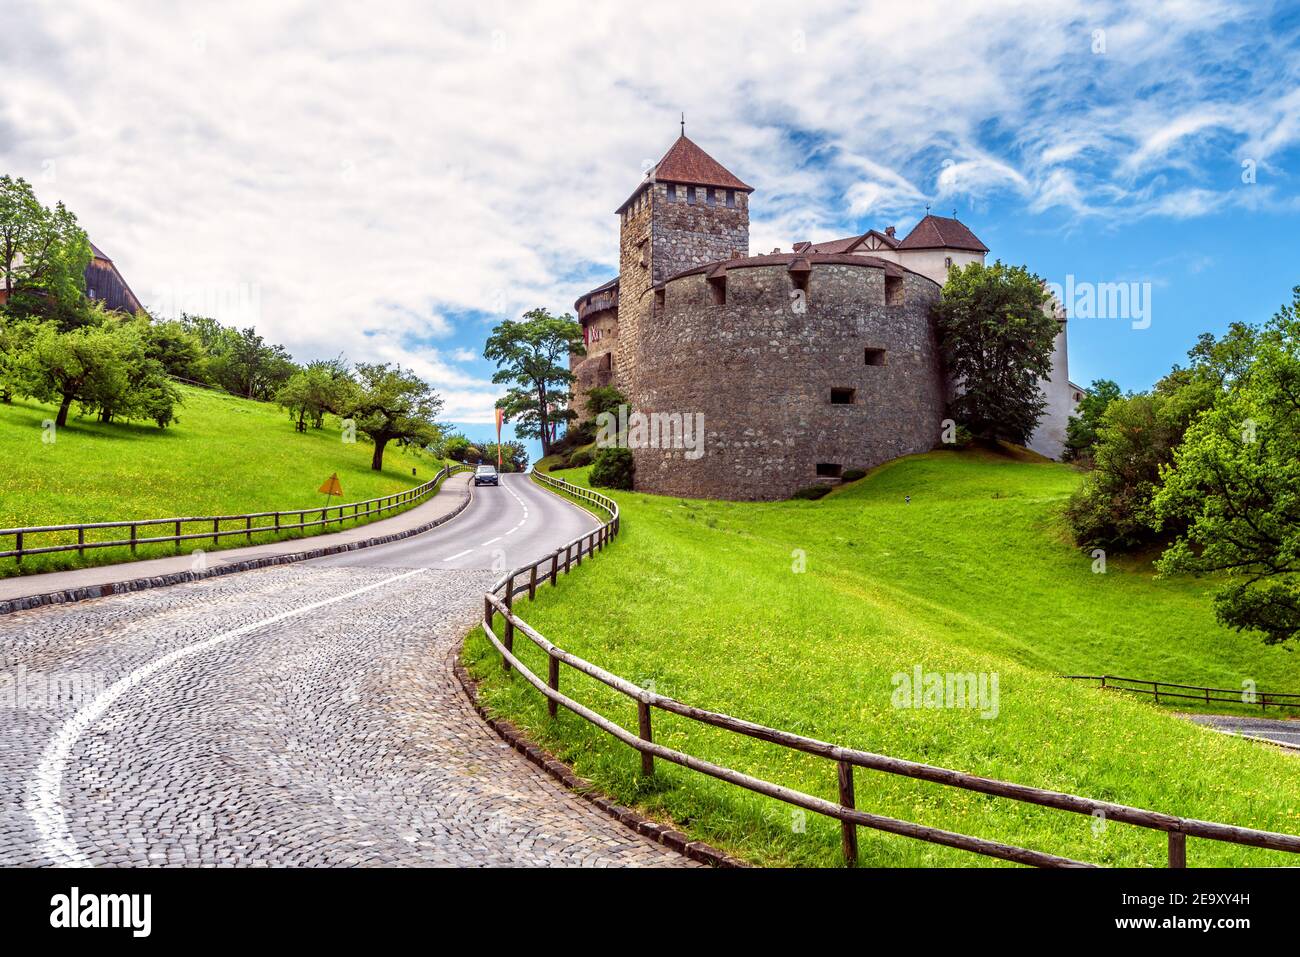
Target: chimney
(889, 231)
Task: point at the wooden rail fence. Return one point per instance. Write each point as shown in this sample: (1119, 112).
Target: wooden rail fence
(525, 579)
(253, 523)
(1277, 699)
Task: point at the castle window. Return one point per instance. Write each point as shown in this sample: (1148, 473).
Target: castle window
(843, 396)
(893, 290)
(672, 193)
(829, 469)
(731, 197)
(659, 301)
(708, 196)
(718, 289)
(800, 279)
(874, 357)
(947, 262)
(690, 195)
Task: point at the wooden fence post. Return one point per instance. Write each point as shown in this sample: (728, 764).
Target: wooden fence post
(848, 830)
(248, 528)
(643, 721)
(18, 546)
(81, 541)
(532, 582)
(555, 567)
(509, 629)
(133, 535)
(1177, 849)
(553, 681)
(216, 539)
(178, 538)
(568, 557)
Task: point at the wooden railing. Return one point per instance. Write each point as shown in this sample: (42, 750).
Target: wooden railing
(1277, 699)
(500, 600)
(253, 523)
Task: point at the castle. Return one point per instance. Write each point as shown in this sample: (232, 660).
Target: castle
(802, 363)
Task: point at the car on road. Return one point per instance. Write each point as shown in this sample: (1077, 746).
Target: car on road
(486, 475)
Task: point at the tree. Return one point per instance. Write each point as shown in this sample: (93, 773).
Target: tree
(604, 398)
(43, 252)
(1233, 484)
(1136, 440)
(613, 468)
(1081, 430)
(997, 344)
(533, 356)
(513, 456)
(392, 403)
(323, 387)
(65, 367)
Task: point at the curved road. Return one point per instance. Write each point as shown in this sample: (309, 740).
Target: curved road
(300, 715)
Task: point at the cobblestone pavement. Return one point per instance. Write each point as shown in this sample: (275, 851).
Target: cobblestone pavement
(301, 715)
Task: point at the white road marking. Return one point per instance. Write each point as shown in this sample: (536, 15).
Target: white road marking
(517, 526)
(490, 541)
(44, 790)
(452, 558)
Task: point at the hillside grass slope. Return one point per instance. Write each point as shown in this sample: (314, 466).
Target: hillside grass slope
(225, 456)
(974, 574)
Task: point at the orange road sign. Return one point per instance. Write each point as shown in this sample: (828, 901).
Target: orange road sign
(331, 486)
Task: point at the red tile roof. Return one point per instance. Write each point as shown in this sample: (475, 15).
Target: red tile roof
(689, 165)
(847, 244)
(686, 163)
(939, 232)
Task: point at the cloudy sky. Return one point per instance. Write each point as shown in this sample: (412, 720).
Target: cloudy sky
(388, 180)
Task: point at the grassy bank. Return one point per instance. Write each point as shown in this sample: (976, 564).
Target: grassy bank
(225, 456)
(974, 574)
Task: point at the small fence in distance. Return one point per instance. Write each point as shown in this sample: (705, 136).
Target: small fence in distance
(500, 600)
(1202, 694)
(215, 527)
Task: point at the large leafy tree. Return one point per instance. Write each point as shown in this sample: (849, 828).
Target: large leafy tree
(997, 344)
(1081, 430)
(66, 367)
(1235, 484)
(1137, 437)
(43, 252)
(323, 386)
(533, 357)
(389, 403)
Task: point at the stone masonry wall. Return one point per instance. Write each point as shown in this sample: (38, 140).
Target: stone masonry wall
(688, 235)
(762, 375)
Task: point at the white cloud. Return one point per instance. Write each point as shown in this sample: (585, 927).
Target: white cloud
(391, 181)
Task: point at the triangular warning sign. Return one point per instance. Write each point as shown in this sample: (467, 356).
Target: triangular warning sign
(331, 486)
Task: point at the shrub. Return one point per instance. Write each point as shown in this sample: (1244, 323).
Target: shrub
(581, 433)
(578, 459)
(613, 468)
(852, 475)
(558, 466)
(812, 492)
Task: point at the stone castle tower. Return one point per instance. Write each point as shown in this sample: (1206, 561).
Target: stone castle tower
(798, 365)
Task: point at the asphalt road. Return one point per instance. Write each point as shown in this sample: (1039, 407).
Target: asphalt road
(1266, 729)
(300, 715)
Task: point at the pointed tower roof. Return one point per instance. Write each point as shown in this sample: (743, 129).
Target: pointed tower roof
(685, 163)
(940, 232)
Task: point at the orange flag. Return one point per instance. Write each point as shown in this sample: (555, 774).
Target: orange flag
(500, 415)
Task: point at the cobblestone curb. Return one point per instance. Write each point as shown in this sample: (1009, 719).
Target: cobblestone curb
(176, 578)
(674, 840)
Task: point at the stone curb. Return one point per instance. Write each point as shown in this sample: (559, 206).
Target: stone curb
(177, 578)
(660, 833)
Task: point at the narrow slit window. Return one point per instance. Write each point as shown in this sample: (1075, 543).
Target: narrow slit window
(672, 193)
(659, 301)
(829, 469)
(843, 396)
(690, 195)
(874, 357)
(731, 198)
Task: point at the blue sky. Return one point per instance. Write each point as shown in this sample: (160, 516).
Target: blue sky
(390, 186)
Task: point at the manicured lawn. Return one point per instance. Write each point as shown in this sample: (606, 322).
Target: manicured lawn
(975, 574)
(225, 456)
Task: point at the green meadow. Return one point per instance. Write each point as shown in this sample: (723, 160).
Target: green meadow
(800, 614)
(224, 456)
